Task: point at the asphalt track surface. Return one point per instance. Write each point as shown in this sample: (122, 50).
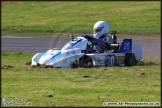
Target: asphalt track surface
(151, 48)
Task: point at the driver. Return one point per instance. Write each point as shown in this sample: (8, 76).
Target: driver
(98, 45)
(101, 40)
(100, 31)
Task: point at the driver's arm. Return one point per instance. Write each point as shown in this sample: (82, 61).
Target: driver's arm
(89, 38)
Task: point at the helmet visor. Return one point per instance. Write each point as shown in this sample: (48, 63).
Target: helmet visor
(98, 29)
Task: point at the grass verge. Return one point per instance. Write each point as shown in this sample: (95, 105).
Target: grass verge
(50, 16)
(79, 87)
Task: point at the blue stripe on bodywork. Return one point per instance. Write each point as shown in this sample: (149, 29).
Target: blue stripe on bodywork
(70, 55)
(36, 59)
(72, 43)
(58, 53)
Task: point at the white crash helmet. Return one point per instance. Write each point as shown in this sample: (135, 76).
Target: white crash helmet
(100, 28)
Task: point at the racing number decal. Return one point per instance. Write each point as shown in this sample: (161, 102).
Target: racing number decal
(126, 46)
(110, 60)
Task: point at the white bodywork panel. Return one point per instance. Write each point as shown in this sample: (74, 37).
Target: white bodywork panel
(61, 58)
(98, 59)
(108, 59)
(77, 44)
(67, 62)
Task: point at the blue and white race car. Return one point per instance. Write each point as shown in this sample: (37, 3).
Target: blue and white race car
(120, 54)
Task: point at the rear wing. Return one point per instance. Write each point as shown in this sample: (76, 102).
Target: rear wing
(126, 46)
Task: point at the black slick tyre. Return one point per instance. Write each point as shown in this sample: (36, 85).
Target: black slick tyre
(85, 61)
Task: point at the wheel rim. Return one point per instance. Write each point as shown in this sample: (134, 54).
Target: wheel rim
(87, 62)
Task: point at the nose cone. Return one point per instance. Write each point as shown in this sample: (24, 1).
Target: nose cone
(45, 59)
(49, 57)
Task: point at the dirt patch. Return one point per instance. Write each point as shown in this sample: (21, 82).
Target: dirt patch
(18, 53)
(6, 66)
(141, 63)
(104, 69)
(5, 54)
(86, 76)
(8, 2)
(75, 64)
(40, 65)
(142, 74)
(50, 95)
(28, 63)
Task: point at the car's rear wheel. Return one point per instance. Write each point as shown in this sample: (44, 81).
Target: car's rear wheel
(86, 62)
(130, 59)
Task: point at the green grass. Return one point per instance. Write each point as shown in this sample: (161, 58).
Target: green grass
(68, 87)
(51, 17)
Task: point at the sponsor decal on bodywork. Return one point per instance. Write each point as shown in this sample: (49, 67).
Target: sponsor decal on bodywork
(72, 52)
(36, 59)
(119, 58)
(65, 55)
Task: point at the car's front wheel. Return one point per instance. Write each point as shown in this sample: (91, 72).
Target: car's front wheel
(85, 61)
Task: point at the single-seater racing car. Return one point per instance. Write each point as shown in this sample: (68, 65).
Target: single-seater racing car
(76, 52)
